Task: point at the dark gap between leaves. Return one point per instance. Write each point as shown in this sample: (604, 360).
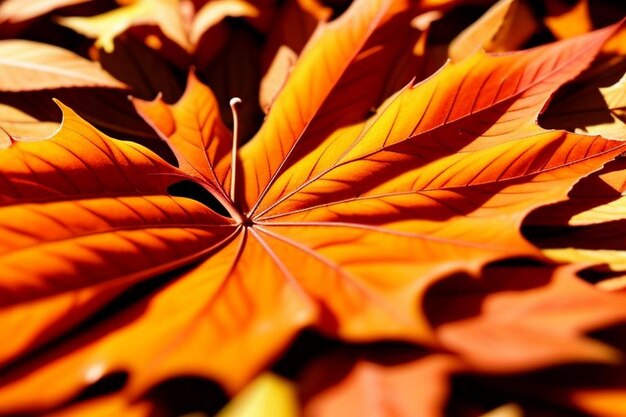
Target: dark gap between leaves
(194, 191)
(108, 384)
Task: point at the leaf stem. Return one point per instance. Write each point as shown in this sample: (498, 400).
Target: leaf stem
(233, 162)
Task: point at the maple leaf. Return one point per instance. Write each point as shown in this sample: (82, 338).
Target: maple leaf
(337, 221)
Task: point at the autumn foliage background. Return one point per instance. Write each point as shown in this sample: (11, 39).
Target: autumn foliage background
(426, 214)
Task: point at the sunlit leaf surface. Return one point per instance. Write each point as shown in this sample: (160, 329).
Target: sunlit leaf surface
(374, 228)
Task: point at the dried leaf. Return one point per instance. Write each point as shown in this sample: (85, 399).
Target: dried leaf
(164, 14)
(150, 73)
(595, 199)
(296, 22)
(214, 12)
(108, 109)
(594, 103)
(28, 66)
(505, 27)
(14, 11)
(593, 109)
(276, 77)
(615, 259)
(589, 226)
(20, 125)
(565, 20)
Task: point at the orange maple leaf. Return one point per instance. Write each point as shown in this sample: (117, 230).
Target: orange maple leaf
(333, 222)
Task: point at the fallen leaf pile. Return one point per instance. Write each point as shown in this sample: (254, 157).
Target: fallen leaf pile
(312, 208)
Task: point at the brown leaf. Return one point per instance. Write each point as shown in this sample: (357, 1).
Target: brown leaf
(141, 67)
(213, 12)
(296, 22)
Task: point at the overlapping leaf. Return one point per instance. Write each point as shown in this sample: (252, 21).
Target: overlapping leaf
(28, 66)
(180, 23)
(17, 11)
(589, 226)
(15, 123)
(105, 27)
(594, 103)
(519, 319)
(526, 317)
(386, 382)
(506, 26)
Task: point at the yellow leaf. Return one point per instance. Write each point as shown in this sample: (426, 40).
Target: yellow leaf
(615, 259)
(107, 26)
(267, 395)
